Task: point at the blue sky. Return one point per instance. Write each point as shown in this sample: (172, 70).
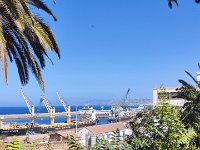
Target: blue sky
(108, 46)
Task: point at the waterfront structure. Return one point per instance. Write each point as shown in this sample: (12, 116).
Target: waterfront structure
(89, 135)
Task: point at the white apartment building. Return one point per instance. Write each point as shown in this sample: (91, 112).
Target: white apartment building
(89, 135)
(171, 93)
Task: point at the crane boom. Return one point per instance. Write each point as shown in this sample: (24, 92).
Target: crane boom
(62, 101)
(26, 100)
(46, 103)
(126, 96)
(50, 109)
(67, 108)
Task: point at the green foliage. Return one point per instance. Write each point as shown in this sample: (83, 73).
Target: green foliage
(126, 146)
(190, 114)
(73, 144)
(160, 128)
(14, 145)
(102, 144)
(115, 139)
(25, 38)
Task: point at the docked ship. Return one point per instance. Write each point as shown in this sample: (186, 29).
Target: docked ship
(119, 114)
(11, 129)
(63, 126)
(25, 129)
(88, 113)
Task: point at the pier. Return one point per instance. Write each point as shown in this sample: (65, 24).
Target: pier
(99, 114)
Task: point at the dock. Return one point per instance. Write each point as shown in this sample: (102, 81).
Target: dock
(99, 113)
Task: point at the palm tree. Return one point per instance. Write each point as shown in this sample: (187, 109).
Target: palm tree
(25, 38)
(191, 109)
(170, 2)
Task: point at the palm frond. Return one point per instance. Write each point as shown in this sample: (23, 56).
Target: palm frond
(41, 5)
(193, 78)
(25, 38)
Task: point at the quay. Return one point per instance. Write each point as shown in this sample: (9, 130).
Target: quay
(99, 114)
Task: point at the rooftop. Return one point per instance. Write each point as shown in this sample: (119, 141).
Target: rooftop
(107, 128)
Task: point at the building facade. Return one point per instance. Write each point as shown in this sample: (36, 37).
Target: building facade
(171, 94)
(89, 135)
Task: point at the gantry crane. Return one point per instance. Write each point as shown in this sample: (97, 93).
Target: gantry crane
(50, 109)
(30, 107)
(67, 108)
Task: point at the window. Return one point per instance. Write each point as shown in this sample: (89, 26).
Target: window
(123, 133)
(108, 136)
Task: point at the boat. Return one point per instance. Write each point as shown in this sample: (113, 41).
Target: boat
(87, 107)
(64, 126)
(119, 114)
(88, 113)
(19, 131)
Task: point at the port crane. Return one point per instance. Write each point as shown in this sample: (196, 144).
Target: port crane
(30, 107)
(125, 98)
(116, 110)
(66, 107)
(50, 109)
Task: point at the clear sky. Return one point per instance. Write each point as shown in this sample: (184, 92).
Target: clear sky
(108, 46)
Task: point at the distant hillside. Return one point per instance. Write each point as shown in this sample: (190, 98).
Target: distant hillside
(114, 102)
(132, 102)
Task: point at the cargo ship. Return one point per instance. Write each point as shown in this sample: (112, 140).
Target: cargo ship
(41, 129)
(11, 129)
(63, 126)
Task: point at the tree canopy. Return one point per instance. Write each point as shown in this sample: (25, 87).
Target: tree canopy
(190, 114)
(171, 2)
(25, 38)
(160, 128)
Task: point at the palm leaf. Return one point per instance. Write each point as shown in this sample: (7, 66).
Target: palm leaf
(25, 38)
(41, 5)
(193, 78)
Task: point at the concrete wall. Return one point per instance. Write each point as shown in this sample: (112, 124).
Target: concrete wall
(83, 134)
